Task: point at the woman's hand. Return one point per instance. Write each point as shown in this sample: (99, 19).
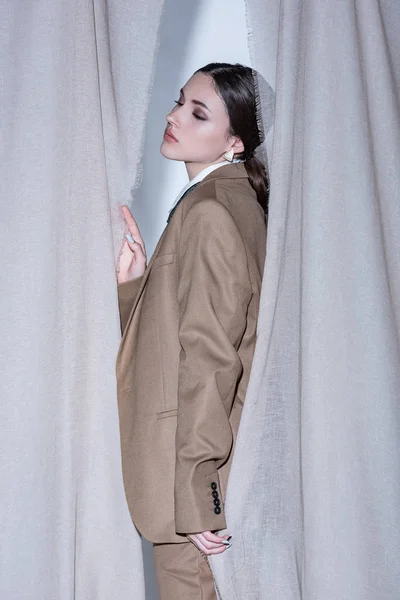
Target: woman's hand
(132, 257)
(210, 543)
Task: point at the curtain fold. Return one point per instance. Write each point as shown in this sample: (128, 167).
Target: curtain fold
(75, 82)
(314, 491)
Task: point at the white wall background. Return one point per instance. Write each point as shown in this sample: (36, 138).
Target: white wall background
(192, 34)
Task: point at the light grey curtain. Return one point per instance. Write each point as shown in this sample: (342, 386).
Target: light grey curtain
(75, 76)
(314, 493)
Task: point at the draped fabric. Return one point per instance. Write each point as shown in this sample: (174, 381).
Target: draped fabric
(314, 492)
(75, 80)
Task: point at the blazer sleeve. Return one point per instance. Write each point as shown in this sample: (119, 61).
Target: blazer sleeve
(214, 291)
(127, 293)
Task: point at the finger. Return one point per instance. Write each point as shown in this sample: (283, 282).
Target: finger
(132, 225)
(208, 544)
(125, 252)
(137, 249)
(195, 539)
(212, 537)
(132, 243)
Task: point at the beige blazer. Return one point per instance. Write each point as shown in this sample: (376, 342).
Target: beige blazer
(189, 330)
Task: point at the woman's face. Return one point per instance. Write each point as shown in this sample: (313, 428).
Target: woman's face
(197, 129)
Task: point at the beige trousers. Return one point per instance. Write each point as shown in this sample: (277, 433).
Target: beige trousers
(183, 573)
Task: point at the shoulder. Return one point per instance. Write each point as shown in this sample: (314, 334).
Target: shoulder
(223, 195)
(228, 199)
(221, 188)
(207, 216)
(208, 211)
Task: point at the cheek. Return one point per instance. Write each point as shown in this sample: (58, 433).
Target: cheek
(198, 141)
(209, 136)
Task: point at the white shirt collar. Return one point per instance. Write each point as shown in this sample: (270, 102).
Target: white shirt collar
(200, 176)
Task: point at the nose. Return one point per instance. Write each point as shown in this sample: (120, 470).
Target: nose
(172, 120)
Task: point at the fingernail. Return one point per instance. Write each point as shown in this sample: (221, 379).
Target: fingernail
(226, 542)
(229, 538)
(130, 238)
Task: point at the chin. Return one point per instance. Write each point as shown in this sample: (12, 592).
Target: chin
(168, 152)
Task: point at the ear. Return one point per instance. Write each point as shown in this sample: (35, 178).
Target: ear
(236, 145)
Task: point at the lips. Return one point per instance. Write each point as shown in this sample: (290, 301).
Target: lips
(168, 137)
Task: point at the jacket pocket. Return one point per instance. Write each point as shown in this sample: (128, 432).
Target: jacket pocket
(164, 414)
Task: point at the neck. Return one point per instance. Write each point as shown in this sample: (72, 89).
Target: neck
(194, 169)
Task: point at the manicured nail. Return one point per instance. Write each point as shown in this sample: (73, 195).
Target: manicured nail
(130, 238)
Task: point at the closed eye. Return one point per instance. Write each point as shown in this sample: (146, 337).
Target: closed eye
(196, 116)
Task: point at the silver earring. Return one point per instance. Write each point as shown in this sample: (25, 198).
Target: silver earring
(229, 155)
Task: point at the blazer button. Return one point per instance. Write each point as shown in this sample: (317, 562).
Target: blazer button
(217, 510)
(213, 485)
(217, 502)
(215, 494)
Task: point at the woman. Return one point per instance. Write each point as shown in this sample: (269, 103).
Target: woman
(189, 329)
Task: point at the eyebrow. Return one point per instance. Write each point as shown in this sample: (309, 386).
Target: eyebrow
(196, 101)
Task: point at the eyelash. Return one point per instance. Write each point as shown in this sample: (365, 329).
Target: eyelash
(194, 114)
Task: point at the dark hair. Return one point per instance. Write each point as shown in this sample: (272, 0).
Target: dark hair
(236, 86)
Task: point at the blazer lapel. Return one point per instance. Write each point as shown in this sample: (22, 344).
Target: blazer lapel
(171, 212)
